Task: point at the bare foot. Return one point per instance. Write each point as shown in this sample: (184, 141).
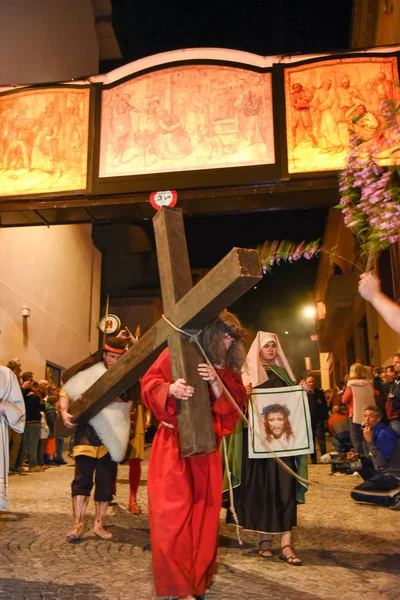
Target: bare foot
(76, 534)
(101, 532)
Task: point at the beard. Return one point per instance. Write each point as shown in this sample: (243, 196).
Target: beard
(277, 433)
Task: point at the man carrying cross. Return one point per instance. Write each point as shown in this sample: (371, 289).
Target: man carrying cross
(185, 493)
(100, 443)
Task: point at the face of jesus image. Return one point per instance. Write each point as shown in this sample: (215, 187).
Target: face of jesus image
(276, 423)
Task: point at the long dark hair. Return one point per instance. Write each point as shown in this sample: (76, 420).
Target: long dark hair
(212, 340)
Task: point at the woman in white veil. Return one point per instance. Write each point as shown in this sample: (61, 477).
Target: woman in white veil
(266, 495)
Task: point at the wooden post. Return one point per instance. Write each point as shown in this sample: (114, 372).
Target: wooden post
(196, 431)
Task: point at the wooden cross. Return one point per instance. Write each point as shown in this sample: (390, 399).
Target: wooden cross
(188, 308)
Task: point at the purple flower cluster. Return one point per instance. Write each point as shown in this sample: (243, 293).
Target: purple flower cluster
(370, 193)
(272, 253)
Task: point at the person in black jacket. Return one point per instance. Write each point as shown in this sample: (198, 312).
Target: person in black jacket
(319, 416)
(31, 436)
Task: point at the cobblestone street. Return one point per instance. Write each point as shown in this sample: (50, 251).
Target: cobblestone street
(348, 550)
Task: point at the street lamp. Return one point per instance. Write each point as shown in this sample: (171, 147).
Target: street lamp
(309, 311)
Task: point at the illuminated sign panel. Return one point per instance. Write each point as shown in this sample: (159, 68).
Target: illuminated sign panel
(325, 99)
(187, 118)
(44, 140)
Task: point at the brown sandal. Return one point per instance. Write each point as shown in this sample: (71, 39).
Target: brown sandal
(261, 550)
(292, 559)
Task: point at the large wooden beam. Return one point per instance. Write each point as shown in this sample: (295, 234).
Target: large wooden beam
(196, 431)
(263, 189)
(238, 272)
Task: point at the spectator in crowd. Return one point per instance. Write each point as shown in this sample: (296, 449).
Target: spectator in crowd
(393, 398)
(340, 388)
(377, 378)
(390, 374)
(380, 393)
(15, 366)
(44, 434)
(15, 436)
(50, 446)
(381, 465)
(60, 430)
(339, 427)
(332, 399)
(42, 390)
(358, 394)
(31, 436)
(27, 376)
(319, 416)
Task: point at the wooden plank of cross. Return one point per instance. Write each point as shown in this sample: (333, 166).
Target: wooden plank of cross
(189, 308)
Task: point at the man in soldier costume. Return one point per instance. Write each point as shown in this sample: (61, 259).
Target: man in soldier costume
(99, 444)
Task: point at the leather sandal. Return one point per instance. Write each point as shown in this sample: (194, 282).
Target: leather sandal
(261, 550)
(292, 559)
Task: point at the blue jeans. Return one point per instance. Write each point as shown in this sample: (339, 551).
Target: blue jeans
(60, 448)
(357, 437)
(30, 443)
(342, 442)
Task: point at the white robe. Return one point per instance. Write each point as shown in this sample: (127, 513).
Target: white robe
(14, 417)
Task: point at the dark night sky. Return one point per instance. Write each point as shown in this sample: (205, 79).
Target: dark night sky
(277, 302)
(264, 27)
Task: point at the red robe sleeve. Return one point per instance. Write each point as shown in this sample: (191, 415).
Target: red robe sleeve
(155, 386)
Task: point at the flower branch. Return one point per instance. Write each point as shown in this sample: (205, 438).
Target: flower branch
(369, 189)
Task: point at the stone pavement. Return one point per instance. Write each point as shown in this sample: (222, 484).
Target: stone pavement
(348, 550)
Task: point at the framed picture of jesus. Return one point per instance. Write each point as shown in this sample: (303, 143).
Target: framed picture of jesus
(280, 423)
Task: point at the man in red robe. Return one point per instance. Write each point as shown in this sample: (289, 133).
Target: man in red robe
(185, 493)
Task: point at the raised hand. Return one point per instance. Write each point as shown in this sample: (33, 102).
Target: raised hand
(369, 286)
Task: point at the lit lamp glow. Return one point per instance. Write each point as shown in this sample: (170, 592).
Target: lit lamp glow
(309, 311)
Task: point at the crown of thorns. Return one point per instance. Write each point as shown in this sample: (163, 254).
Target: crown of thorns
(234, 333)
(273, 408)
